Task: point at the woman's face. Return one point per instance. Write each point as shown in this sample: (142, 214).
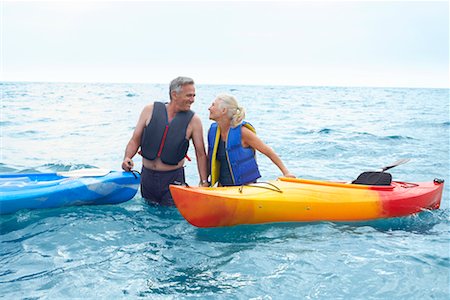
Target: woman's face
(215, 111)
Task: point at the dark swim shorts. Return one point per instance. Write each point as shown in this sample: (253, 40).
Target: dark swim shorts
(155, 185)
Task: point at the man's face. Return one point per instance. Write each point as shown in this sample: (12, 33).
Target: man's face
(185, 98)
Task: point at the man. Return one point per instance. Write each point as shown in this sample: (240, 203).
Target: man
(163, 132)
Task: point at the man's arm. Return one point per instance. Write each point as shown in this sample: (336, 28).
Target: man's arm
(199, 145)
(135, 141)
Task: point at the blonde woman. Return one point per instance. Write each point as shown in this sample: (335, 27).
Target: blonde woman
(232, 143)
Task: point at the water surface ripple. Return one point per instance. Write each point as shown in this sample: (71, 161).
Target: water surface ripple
(134, 250)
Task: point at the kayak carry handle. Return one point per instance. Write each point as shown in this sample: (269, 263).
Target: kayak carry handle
(272, 186)
(134, 173)
(438, 181)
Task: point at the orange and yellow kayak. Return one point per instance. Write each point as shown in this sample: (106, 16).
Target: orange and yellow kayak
(302, 200)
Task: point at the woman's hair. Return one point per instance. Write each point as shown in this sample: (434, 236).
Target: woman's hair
(235, 112)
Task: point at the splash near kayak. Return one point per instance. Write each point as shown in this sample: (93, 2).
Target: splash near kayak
(81, 187)
(302, 200)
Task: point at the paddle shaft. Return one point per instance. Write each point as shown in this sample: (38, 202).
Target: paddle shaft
(397, 163)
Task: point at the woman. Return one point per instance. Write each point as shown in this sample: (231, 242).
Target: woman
(232, 143)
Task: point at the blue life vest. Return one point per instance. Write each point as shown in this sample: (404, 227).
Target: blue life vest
(242, 162)
(163, 139)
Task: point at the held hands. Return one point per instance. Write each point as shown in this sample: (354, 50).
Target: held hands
(127, 164)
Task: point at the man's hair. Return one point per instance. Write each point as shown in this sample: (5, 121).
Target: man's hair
(177, 83)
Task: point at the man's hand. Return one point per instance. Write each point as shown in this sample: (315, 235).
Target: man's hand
(127, 164)
(203, 183)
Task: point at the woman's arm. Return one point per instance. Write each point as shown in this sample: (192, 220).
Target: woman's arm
(250, 139)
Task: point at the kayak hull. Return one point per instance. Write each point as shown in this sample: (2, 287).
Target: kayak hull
(50, 190)
(301, 200)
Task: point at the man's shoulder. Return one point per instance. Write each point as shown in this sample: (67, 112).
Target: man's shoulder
(147, 109)
(195, 118)
(155, 103)
(149, 106)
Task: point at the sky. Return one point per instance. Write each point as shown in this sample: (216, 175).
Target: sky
(315, 43)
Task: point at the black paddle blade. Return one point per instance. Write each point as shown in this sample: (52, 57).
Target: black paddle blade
(397, 163)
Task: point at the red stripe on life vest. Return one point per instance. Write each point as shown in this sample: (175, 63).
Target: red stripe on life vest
(163, 140)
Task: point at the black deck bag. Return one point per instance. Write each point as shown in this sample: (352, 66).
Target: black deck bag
(373, 178)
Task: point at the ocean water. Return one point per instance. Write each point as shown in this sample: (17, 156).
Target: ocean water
(133, 250)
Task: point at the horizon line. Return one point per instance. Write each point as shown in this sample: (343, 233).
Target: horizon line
(226, 84)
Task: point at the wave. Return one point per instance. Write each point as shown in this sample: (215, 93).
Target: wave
(45, 168)
(397, 137)
(57, 167)
(313, 131)
(6, 169)
(130, 94)
(422, 223)
(387, 137)
(325, 131)
(353, 136)
(6, 123)
(28, 132)
(364, 134)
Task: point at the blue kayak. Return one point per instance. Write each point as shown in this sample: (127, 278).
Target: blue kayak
(80, 187)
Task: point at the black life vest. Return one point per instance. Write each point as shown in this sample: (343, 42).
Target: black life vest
(164, 140)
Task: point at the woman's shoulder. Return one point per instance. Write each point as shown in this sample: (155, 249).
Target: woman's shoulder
(247, 127)
(247, 130)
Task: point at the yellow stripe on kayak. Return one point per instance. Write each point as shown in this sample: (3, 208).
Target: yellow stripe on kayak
(226, 206)
(308, 204)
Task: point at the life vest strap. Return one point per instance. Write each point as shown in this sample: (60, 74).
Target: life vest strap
(163, 141)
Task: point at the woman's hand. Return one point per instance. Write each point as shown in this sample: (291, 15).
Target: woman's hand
(287, 174)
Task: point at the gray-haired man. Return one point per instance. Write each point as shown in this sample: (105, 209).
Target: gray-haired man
(163, 132)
